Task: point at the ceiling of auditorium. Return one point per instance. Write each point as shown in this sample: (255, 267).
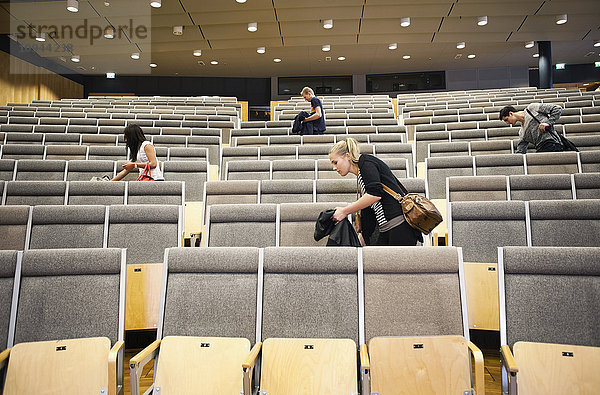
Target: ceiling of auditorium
(293, 32)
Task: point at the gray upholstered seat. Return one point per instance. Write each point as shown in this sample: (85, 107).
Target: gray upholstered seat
(250, 141)
(40, 170)
(7, 169)
(67, 227)
(91, 192)
(14, 222)
(66, 152)
(84, 170)
(237, 153)
(164, 192)
(313, 151)
(23, 151)
(590, 161)
(310, 292)
(565, 222)
(248, 170)
(243, 225)
(437, 169)
(396, 150)
(412, 291)
(477, 188)
(448, 149)
(294, 169)
(219, 286)
(480, 227)
(587, 185)
(35, 192)
(540, 187)
(231, 192)
(8, 267)
(552, 163)
(193, 173)
(286, 191)
(297, 223)
(24, 138)
(586, 143)
(107, 153)
(278, 152)
(62, 139)
(423, 139)
(188, 154)
(501, 164)
(342, 190)
(491, 147)
(155, 227)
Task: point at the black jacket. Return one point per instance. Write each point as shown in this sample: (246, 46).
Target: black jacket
(340, 235)
(297, 127)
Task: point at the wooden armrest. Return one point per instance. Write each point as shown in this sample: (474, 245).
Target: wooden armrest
(364, 357)
(509, 360)
(479, 381)
(112, 367)
(251, 358)
(137, 363)
(4, 358)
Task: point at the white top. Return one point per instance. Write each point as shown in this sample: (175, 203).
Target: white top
(143, 158)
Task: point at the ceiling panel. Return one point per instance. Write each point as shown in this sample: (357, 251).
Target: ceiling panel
(315, 29)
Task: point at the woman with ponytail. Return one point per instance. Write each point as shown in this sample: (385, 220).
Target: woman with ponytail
(377, 207)
(141, 153)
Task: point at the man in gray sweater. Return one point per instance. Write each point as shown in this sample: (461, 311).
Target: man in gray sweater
(537, 123)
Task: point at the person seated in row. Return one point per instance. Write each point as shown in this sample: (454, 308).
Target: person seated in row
(315, 122)
(141, 152)
(378, 208)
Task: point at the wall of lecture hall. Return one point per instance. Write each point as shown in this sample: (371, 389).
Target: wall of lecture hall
(23, 82)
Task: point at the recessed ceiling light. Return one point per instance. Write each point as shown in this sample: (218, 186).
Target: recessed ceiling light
(260, 50)
(405, 22)
(93, 68)
(597, 43)
(155, 3)
(461, 45)
(153, 65)
(561, 19)
(106, 4)
(482, 20)
(197, 52)
(326, 48)
(214, 62)
(135, 55)
(471, 56)
(252, 26)
(40, 37)
(109, 32)
(178, 30)
(75, 58)
(406, 57)
(241, 1)
(276, 60)
(393, 46)
(341, 58)
(327, 23)
(529, 44)
(73, 5)
(536, 55)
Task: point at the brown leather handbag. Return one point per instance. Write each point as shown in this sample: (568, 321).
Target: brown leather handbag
(418, 211)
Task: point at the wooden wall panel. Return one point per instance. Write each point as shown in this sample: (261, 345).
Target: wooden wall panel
(23, 82)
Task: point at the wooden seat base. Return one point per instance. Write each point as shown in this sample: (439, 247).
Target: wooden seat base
(419, 365)
(309, 366)
(61, 367)
(557, 369)
(200, 365)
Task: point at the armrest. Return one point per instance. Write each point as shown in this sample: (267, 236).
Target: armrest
(508, 359)
(364, 358)
(112, 367)
(251, 358)
(4, 358)
(137, 363)
(479, 381)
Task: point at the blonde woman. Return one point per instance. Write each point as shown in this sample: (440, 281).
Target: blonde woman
(377, 207)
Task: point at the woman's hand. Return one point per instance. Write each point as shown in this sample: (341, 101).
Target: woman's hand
(340, 214)
(129, 166)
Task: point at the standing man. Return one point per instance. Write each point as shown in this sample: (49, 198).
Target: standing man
(315, 122)
(537, 124)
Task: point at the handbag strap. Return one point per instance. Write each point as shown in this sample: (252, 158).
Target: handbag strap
(552, 129)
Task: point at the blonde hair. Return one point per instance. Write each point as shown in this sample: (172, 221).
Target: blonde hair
(306, 90)
(348, 146)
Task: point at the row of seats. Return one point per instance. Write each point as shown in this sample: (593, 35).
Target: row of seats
(489, 111)
(523, 187)
(76, 125)
(47, 130)
(287, 131)
(564, 118)
(92, 192)
(437, 169)
(295, 139)
(94, 226)
(166, 148)
(119, 117)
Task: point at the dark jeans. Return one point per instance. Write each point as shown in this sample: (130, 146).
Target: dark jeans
(550, 146)
(308, 128)
(401, 235)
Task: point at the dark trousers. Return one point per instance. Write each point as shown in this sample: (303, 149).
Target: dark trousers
(550, 146)
(401, 235)
(308, 128)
